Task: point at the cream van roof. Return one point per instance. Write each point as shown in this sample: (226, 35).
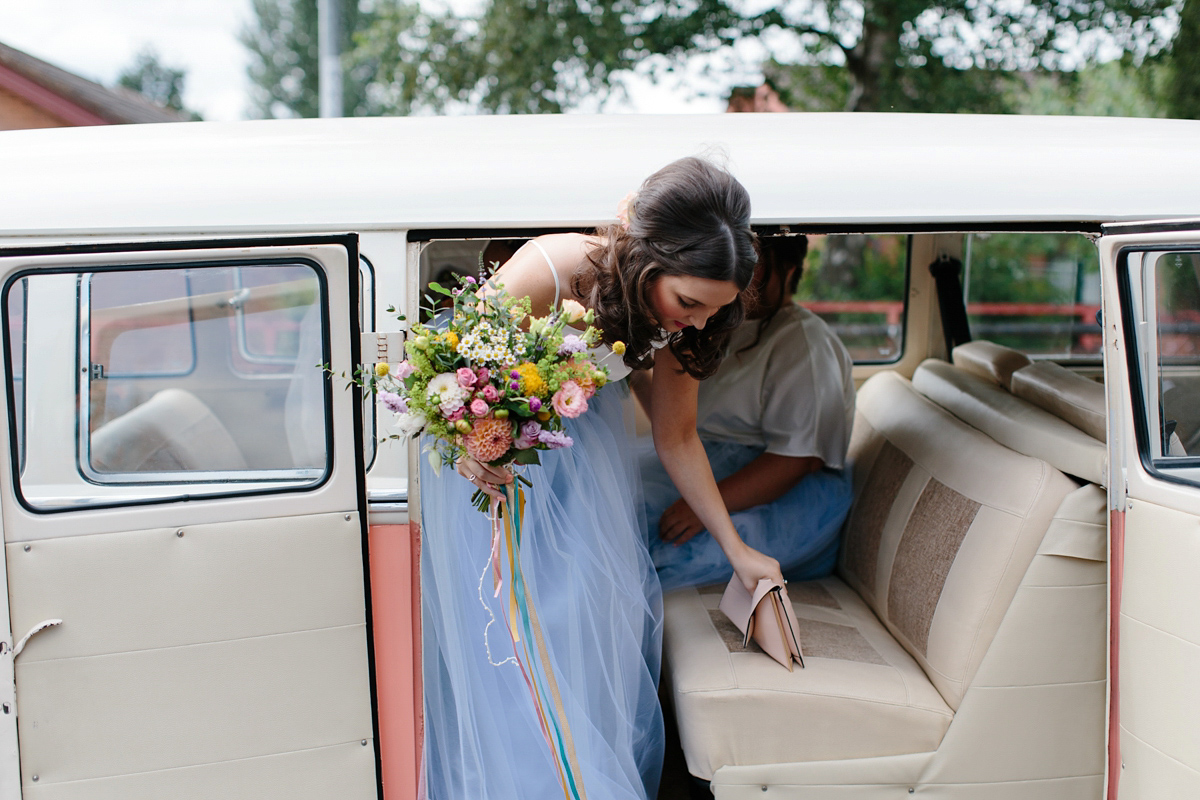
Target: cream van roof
(486, 171)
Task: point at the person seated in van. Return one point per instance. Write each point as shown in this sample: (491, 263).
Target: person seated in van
(775, 422)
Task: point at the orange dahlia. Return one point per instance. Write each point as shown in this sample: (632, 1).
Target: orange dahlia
(489, 439)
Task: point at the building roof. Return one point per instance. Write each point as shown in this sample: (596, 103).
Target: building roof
(75, 100)
(513, 171)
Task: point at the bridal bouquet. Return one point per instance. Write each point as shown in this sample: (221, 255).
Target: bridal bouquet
(482, 386)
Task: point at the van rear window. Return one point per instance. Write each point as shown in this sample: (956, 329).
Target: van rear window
(1034, 292)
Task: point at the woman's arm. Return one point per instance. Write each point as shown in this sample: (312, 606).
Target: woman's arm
(673, 419)
(763, 480)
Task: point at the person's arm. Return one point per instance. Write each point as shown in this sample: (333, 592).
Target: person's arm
(673, 419)
(763, 480)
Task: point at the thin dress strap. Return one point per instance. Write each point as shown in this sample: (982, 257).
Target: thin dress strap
(550, 264)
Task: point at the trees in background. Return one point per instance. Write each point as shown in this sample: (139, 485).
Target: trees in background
(1183, 90)
(159, 84)
(535, 56)
(282, 40)
(856, 55)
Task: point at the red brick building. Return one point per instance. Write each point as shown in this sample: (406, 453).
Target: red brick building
(35, 94)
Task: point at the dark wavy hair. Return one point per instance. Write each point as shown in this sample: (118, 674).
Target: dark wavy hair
(778, 255)
(689, 218)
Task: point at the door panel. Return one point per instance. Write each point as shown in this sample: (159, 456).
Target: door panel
(196, 522)
(1152, 348)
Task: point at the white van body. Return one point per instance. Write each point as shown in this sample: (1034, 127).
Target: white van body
(252, 627)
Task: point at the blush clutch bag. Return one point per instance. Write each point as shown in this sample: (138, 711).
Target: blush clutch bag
(766, 617)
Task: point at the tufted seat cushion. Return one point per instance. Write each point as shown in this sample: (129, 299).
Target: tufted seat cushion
(860, 694)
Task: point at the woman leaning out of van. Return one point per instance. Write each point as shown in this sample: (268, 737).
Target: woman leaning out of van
(775, 421)
(665, 282)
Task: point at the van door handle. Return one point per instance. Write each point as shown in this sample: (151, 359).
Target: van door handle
(34, 631)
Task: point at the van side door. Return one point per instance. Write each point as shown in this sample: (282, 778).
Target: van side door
(1152, 371)
(184, 521)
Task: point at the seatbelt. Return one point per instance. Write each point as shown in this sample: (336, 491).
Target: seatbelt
(946, 273)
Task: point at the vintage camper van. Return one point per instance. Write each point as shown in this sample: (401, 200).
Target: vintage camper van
(211, 581)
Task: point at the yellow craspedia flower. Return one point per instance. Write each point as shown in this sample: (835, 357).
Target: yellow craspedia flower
(618, 348)
(532, 382)
(382, 369)
(450, 338)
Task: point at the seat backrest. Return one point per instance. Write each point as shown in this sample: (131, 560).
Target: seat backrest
(990, 361)
(1015, 422)
(944, 525)
(172, 431)
(1066, 394)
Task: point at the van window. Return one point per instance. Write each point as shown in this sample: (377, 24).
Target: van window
(142, 395)
(15, 310)
(857, 283)
(167, 347)
(1034, 292)
(1163, 293)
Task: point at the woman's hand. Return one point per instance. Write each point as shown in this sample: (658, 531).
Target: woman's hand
(679, 523)
(485, 477)
(750, 566)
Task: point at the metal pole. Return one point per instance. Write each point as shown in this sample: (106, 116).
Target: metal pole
(329, 38)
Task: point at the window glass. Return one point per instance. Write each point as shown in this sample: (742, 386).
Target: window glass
(856, 283)
(273, 333)
(1165, 297)
(1034, 292)
(16, 334)
(366, 323)
(161, 342)
(144, 400)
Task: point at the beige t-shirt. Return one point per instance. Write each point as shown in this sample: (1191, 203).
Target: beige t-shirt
(792, 393)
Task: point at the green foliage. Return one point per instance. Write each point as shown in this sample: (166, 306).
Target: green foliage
(284, 51)
(854, 267)
(1183, 90)
(1030, 267)
(158, 83)
(518, 56)
(1117, 88)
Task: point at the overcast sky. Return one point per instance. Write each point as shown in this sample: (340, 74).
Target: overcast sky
(100, 38)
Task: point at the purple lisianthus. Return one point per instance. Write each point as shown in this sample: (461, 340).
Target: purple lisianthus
(393, 402)
(571, 344)
(528, 435)
(555, 439)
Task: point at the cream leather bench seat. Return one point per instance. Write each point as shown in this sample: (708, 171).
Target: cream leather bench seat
(961, 643)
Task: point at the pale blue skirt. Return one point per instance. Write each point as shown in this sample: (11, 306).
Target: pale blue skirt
(800, 529)
(598, 603)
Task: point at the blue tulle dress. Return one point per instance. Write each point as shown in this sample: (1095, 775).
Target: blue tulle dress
(800, 528)
(589, 576)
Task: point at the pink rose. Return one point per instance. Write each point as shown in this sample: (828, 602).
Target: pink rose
(403, 370)
(570, 400)
(466, 378)
(490, 394)
(457, 414)
(483, 374)
(479, 408)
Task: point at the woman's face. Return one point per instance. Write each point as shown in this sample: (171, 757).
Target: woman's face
(680, 301)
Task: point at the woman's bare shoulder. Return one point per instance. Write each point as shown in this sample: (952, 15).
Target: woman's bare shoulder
(527, 273)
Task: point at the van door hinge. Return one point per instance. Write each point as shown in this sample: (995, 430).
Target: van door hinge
(382, 348)
(97, 372)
